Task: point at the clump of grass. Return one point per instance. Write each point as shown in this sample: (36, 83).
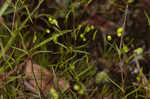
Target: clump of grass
(60, 43)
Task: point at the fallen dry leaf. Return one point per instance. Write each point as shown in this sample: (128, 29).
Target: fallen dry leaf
(43, 76)
(44, 79)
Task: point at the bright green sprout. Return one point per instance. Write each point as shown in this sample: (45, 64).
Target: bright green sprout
(47, 31)
(50, 19)
(138, 51)
(125, 49)
(76, 87)
(109, 38)
(34, 38)
(79, 27)
(94, 35)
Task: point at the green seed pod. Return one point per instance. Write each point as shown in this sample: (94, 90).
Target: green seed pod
(119, 34)
(76, 87)
(47, 31)
(120, 30)
(72, 67)
(50, 19)
(82, 35)
(109, 38)
(125, 48)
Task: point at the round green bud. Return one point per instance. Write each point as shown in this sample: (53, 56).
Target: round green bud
(76, 87)
(120, 30)
(125, 49)
(82, 35)
(47, 31)
(109, 38)
(119, 34)
(72, 67)
(138, 51)
(50, 19)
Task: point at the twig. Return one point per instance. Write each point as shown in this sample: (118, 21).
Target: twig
(37, 84)
(144, 79)
(123, 26)
(121, 42)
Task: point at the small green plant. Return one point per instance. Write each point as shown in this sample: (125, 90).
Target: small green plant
(59, 36)
(53, 21)
(87, 29)
(125, 48)
(119, 31)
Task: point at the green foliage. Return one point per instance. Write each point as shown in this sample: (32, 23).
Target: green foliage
(60, 36)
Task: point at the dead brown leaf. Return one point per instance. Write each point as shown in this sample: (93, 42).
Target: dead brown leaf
(35, 72)
(39, 77)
